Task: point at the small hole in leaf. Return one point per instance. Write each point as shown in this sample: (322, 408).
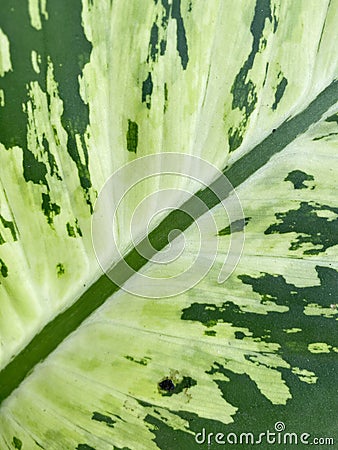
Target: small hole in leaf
(166, 385)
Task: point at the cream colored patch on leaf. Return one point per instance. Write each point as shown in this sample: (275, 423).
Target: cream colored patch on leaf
(319, 347)
(36, 59)
(313, 309)
(5, 57)
(305, 375)
(37, 9)
(170, 419)
(292, 330)
(327, 214)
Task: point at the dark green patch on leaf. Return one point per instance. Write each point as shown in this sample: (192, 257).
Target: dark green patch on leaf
(132, 136)
(33, 169)
(166, 8)
(78, 229)
(143, 361)
(182, 44)
(50, 209)
(210, 333)
(56, 137)
(270, 327)
(320, 231)
(17, 443)
(39, 445)
(84, 447)
(54, 170)
(147, 90)
(74, 230)
(236, 226)
(153, 44)
(207, 315)
(165, 434)
(324, 136)
(279, 92)
(164, 25)
(68, 55)
(243, 89)
(10, 225)
(255, 413)
(163, 46)
(103, 418)
(158, 43)
(3, 269)
(297, 178)
(275, 20)
(275, 287)
(235, 137)
(169, 438)
(266, 73)
(239, 335)
(60, 269)
(333, 118)
(70, 230)
(165, 106)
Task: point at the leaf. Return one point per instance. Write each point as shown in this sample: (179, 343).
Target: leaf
(248, 87)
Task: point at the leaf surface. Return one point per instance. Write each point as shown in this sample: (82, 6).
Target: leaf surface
(250, 87)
